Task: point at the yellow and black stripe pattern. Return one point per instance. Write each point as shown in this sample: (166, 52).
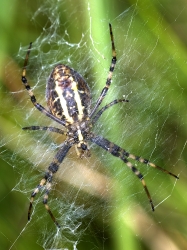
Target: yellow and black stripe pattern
(68, 95)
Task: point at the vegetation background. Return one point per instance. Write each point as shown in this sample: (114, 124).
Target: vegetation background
(136, 228)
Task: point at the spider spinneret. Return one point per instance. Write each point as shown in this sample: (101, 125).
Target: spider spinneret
(69, 103)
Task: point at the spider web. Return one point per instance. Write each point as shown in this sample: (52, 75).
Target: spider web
(91, 196)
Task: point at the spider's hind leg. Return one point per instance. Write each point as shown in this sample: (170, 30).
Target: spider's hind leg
(109, 78)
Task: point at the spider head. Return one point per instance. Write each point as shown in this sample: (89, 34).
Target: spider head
(84, 146)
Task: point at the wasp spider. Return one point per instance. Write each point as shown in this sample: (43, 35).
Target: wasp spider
(69, 104)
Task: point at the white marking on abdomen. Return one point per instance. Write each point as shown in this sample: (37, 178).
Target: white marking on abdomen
(78, 100)
(63, 103)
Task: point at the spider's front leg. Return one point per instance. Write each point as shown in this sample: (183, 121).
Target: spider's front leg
(47, 180)
(119, 152)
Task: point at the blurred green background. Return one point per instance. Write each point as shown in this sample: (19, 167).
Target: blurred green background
(151, 43)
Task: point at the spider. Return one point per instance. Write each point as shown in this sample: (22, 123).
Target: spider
(69, 104)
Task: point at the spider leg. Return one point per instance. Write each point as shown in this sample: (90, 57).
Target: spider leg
(145, 161)
(47, 180)
(99, 113)
(36, 190)
(109, 78)
(33, 98)
(119, 152)
(51, 129)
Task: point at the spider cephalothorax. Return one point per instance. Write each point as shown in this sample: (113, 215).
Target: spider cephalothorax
(69, 102)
